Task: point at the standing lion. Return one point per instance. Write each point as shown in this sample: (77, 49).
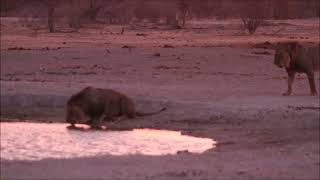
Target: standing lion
(296, 58)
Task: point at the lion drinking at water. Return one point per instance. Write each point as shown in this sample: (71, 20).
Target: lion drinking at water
(96, 105)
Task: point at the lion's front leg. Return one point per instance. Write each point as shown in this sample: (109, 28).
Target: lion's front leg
(291, 76)
(95, 123)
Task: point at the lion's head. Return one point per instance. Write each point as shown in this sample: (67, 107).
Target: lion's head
(284, 54)
(282, 58)
(74, 114)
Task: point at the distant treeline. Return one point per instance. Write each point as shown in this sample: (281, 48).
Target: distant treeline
(119, 11)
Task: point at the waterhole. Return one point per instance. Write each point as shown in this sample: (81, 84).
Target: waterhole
(36, 141)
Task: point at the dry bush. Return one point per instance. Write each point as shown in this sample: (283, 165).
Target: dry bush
(251, 24)
(253, 15)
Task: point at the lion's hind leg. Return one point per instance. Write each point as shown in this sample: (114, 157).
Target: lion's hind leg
(312, 84)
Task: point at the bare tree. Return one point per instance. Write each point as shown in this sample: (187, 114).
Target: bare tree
(93, 10)
(50, 5)
(4, 7)
(184, 9)
(75, 14)
(252, 15)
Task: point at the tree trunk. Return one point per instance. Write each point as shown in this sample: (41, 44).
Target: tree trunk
(50, 15)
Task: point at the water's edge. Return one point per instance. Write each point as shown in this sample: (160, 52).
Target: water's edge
(36, 141)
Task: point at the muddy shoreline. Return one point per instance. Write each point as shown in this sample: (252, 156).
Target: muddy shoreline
(267, 134)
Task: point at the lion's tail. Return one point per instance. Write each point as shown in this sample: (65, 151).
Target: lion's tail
(151, 113)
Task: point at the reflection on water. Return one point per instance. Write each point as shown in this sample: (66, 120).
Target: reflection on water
(35, 141)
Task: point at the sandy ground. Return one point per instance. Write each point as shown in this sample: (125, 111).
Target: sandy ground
(212, 81)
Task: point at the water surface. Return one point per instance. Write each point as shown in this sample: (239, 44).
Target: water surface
(36, 141)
